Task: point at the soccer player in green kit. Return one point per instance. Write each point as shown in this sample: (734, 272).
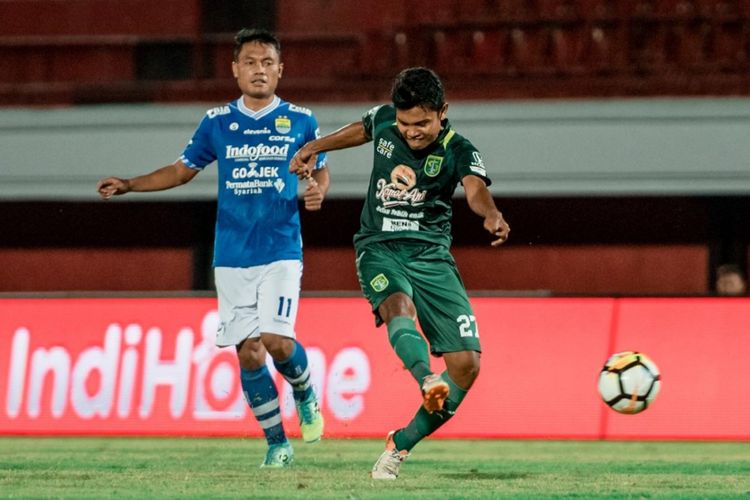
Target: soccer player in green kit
(403, 261)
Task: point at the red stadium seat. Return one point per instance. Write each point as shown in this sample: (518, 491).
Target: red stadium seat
(598, 10)
(566, 49)
(528, 51)
(99, 17)
(488, 53)
(443, 12)
(557, 9)
(726, 47)
(691, 41)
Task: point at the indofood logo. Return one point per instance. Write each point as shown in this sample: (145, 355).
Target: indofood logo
(258, 152)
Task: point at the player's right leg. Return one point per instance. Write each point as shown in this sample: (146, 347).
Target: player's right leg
(380, 268)
(261, 394)
(239, 326)
(463, 368)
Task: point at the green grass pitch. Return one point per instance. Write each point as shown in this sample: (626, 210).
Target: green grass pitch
(228, 468)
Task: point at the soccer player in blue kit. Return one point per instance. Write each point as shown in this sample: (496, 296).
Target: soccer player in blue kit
(258, 247)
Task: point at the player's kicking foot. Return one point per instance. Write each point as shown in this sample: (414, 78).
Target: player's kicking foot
(434, 392)
(390, 460)
(310, 419)
(279, 456)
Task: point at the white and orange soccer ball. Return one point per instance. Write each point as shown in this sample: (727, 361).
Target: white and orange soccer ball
(629, 382)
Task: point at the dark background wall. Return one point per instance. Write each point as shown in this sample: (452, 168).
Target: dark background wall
(645, 245)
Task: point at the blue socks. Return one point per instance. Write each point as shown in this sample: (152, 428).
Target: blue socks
(296, 371)
(263, 398)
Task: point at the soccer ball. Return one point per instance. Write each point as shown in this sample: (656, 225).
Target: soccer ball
(629, 382)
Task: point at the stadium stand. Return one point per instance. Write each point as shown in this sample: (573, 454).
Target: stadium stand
(89, 51)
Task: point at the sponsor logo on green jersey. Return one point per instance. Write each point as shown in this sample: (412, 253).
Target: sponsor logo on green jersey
(432, 165)
(379, 282)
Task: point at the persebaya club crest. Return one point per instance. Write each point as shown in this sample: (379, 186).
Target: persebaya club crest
(432, 165)
(379, 282)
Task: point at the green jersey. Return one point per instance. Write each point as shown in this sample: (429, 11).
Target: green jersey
(410, 192)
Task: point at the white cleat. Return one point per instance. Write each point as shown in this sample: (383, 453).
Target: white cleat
(389, 463)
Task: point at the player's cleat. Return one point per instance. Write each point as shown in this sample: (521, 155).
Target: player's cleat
(310, 419)
(389, 463)
(279, 456)
(434, 392)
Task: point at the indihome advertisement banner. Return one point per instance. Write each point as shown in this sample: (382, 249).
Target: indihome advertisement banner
(149, 367)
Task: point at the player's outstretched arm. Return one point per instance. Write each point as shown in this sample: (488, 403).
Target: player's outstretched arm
(317, 187)
(481, 203)
(348, 136)
(166, 177)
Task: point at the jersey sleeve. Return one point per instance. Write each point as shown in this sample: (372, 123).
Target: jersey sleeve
(469, 162)
(200, 152)
(369, 122)
(312, 133)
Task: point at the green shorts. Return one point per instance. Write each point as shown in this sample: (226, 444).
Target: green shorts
(427, 273)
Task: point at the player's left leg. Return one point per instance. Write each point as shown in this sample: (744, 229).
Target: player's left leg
(238, 312)
(278, 301)
(386, 285)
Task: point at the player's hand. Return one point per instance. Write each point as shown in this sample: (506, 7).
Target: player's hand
(313, 195)
(111, 186)
(496, 225)
(303, 163)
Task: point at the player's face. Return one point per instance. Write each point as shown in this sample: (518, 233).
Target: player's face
(257, 70)
(419, 126)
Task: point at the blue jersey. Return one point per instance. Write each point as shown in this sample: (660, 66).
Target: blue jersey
(257, 220)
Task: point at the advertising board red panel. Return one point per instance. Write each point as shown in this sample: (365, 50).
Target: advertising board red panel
(701, 346)
(149, 367)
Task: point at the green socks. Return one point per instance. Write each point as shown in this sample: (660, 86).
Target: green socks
(410, 346)
(423, 424)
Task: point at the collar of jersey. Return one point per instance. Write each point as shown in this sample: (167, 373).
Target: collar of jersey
(257, 115)
(445, 135)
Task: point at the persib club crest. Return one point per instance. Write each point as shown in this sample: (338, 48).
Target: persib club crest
(283, 124)
(432, 165)
(379, 282)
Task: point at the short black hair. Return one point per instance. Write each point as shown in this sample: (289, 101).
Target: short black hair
(246, 35)
(726, 269)
(418, 87)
